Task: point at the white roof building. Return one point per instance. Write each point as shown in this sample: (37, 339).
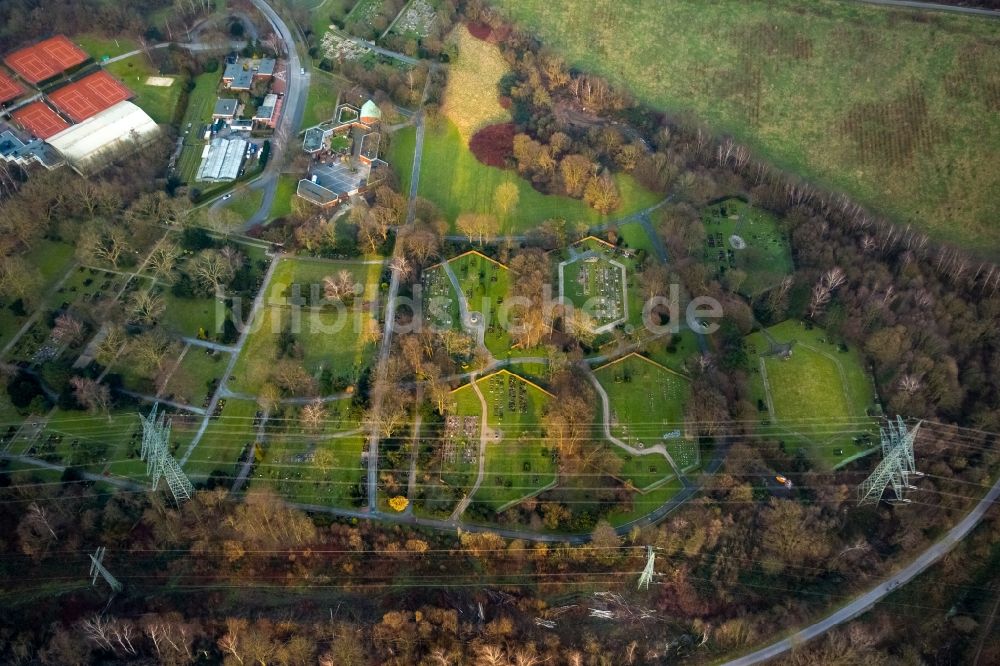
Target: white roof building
(85, 144)
(223, 160)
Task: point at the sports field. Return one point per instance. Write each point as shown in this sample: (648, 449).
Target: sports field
(895, 107)
(519, 461)
(817, 398)
(739, 237)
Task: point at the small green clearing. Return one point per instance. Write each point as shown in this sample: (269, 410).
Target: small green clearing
(283, 195)
(321, 104)
(192, 381)
(645, 503)
(674, 350)
(818, 397)
(333, 341)
(400, 155)
(99, 444)
(190, 316)
(246, 202)
(741, 238)
(224, 440)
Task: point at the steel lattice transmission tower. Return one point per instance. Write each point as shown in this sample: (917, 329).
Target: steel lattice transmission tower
(159, 463)
(647, 573)
(896, 467)
(97, 569)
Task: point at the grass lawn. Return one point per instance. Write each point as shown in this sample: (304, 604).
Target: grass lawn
(643, 504)
(896, 107)
(400, 155)
(52, 259)
(314, 469)
(160, 102)
(98, 46)
(449, 462)
(305, 275)
(201, 101)
(673, 351)
(452, 177)
(224, 439)
(519, 464)
(282, 204)
(761, 252)
(634, 235)
(187, 316)
(190, 382)
(324, 91)
(817, 398)
(647, 401)
(97, 444)
(471, 98)
(327, 340)
(246, 202)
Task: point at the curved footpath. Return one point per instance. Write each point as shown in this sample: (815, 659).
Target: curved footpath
(864, 602)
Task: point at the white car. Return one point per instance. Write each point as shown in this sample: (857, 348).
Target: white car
(228, 196)
(302, 71)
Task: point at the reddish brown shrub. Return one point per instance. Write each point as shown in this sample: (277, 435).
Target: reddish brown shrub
(479, 30)
(493, 145)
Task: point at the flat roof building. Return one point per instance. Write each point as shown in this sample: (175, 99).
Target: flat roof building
(241, 75)
(225, 109)
(25, 153)
(267, 113)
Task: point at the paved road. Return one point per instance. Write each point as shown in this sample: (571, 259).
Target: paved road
(296, 92)
(934, 7)
(870, 598)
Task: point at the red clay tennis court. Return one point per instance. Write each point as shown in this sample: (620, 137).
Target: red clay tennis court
(45, 59)
(89, 96)
(40, 120)
(8, 89)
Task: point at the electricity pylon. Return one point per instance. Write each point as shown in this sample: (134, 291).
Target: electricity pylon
(159, 463)
(97, 569)
(647, 573)
(896, 467)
